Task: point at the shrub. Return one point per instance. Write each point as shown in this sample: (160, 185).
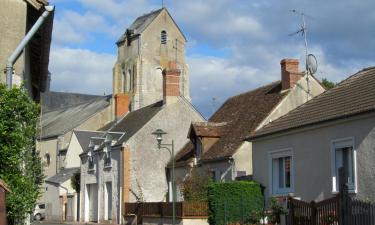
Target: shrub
(232, 202)
(276, 210)
(194, 187)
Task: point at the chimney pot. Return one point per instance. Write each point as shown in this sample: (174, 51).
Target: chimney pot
(171, 83)
(121, 104)
(289, 73)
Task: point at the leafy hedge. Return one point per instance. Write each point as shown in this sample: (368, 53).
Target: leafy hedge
(237, 201)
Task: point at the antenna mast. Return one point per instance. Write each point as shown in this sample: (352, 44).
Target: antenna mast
(303, 32)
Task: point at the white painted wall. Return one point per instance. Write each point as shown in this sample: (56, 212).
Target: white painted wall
(312, 156)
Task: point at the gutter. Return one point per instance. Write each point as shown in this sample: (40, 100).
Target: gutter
(13, 57)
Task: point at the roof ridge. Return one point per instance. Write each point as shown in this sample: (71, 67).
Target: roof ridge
(256, 89)
(341, 87)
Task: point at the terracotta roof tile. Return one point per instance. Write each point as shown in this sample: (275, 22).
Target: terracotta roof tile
(239, 116)
(352, 96)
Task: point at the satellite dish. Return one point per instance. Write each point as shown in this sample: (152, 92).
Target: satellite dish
(312, 64)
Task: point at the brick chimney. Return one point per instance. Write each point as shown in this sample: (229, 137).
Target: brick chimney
(171, 83)
(121, 104)
(289, 73)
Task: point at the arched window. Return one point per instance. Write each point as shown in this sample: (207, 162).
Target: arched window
(47, 158)
(163, 37)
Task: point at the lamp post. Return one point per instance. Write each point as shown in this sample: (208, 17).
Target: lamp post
(170, 147)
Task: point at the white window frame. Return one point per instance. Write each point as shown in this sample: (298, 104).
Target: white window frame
(341, 143)
(281, 153)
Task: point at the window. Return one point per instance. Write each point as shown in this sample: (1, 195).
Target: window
(91, 160)
(198, 148)
(281, 163)
(163, 37)
(107, 156)
(343, 155)
(47, 159)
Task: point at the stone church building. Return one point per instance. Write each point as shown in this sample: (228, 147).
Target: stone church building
(144, 51)
(150, 91)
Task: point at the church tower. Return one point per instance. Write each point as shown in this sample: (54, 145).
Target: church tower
(147, 48)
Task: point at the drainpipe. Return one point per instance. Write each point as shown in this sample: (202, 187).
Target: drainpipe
(12, 58)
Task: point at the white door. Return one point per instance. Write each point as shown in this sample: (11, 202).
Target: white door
(93, 202)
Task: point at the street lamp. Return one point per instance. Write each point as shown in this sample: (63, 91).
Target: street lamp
(170, 147)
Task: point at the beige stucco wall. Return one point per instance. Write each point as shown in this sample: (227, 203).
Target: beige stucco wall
(13, 26)
(145, 57)
(72, 156)
(312, 157)
(297, 96)
(148, 173)
(48, 146)
(243, 158)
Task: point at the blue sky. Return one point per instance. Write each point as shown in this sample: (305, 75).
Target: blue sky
(233, 45)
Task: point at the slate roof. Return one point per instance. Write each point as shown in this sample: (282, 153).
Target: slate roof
(353, 96)
(83, 137)
(62, 120)
(63, 175)
(135, 120)
(142, 22)
(53, 100)
(241, 115)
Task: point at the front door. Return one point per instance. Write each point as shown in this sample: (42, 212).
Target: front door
(93, 202)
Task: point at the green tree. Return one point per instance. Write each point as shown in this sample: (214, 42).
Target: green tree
(20, 165)
(327, 84)
(195, 186)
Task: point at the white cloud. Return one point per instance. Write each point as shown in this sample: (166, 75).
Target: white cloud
(81, 70)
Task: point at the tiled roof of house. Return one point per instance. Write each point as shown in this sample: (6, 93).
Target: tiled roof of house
(208, 129)
(53, 100)
(135, 120)
(63, 175)
(353, 96)
(84, 137)
(62, 120)
(241, 115)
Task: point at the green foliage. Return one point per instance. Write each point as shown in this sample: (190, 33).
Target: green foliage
(328, 84)
(233, 202)
(76, 181)
(276, 209)
(194, 187)
(20, 167)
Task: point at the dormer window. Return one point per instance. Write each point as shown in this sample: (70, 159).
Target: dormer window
(163, 37)
(198, 148)
(107, 155)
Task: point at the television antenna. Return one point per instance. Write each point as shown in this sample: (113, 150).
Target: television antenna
(311, 64)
